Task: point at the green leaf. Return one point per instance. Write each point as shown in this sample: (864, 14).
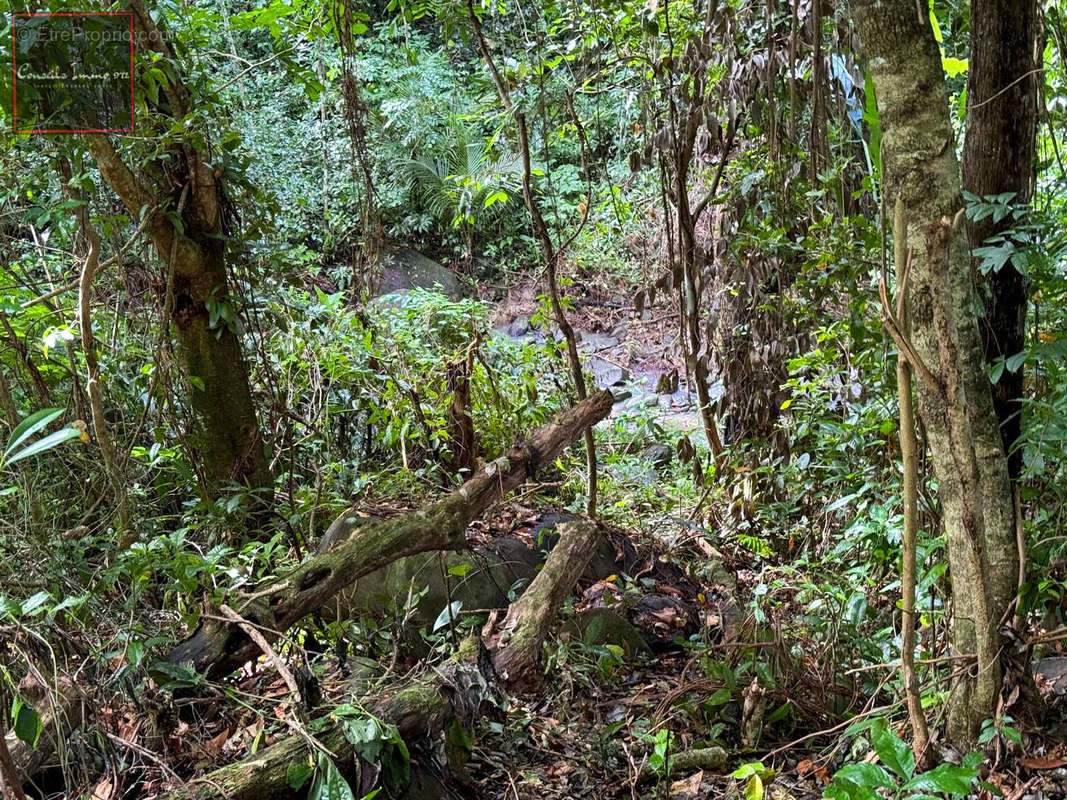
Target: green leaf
(847, 790)
(34, 603)
(69, 602)
(365, 736)
(934, 24)
(47, 443)
(329, 784)
(27, 722)
(870, 775)
(954, 66)
(754, 788)
(298, 773)
(948, 778)
(448, 614)
(892, 750)
(28, 427)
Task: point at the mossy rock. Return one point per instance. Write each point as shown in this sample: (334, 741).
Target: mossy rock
(601, 626)
(478, 579)
(403, 269)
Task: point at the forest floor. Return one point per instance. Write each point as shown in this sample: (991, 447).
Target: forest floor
(594, 726)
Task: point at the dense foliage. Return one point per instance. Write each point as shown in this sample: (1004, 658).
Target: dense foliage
(712, 178)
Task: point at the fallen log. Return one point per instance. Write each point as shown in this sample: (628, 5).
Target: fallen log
(218, 647)
(448, 694)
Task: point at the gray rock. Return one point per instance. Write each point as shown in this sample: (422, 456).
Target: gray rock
(520, 326)
(403, 269)
(595, 342)
(1052, 672)
(606, 374)
(601, 626)
(659, 455)
(614, 553)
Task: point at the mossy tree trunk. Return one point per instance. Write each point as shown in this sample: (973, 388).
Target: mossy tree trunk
(518, 649)
(226, 431)
(955, 401)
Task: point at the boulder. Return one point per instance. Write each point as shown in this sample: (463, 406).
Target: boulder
(404, 269)
(520, 326)
(1051, 673)
(606, 374)
(601, 626)
(658, 455)
(614, 553)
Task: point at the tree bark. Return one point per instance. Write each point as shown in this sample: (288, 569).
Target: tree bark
(530, 617)
(956, 406)
(227, 433)
(218, 648)
(998, 157)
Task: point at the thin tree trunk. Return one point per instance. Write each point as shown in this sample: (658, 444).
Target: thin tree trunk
(955, 402)
(818, 141)
(108, 454)
(548, 249)
(998, 157)
(356, 115)
(909, 456)
(7, 405)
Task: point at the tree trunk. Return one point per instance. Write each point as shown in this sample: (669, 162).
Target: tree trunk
(519, 645)
(998, 157)
(218, 648)
(226, 432)
(955, 401)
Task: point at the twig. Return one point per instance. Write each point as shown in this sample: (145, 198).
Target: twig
(261, 641)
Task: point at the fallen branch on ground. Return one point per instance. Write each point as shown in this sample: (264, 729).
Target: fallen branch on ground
(218, 647)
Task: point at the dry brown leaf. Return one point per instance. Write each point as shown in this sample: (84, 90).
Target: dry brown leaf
(214, 745)
(690, 785)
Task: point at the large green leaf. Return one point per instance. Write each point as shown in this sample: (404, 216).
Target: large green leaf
(892, 750)
(847, 790)
(26, 722)
(870, 775)
(948, 778)
(28, 427)
(47, 443)
(329, 783)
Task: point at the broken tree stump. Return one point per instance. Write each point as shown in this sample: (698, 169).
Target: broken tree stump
(518, 650)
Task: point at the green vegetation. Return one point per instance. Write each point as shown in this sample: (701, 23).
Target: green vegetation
(359, 277)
